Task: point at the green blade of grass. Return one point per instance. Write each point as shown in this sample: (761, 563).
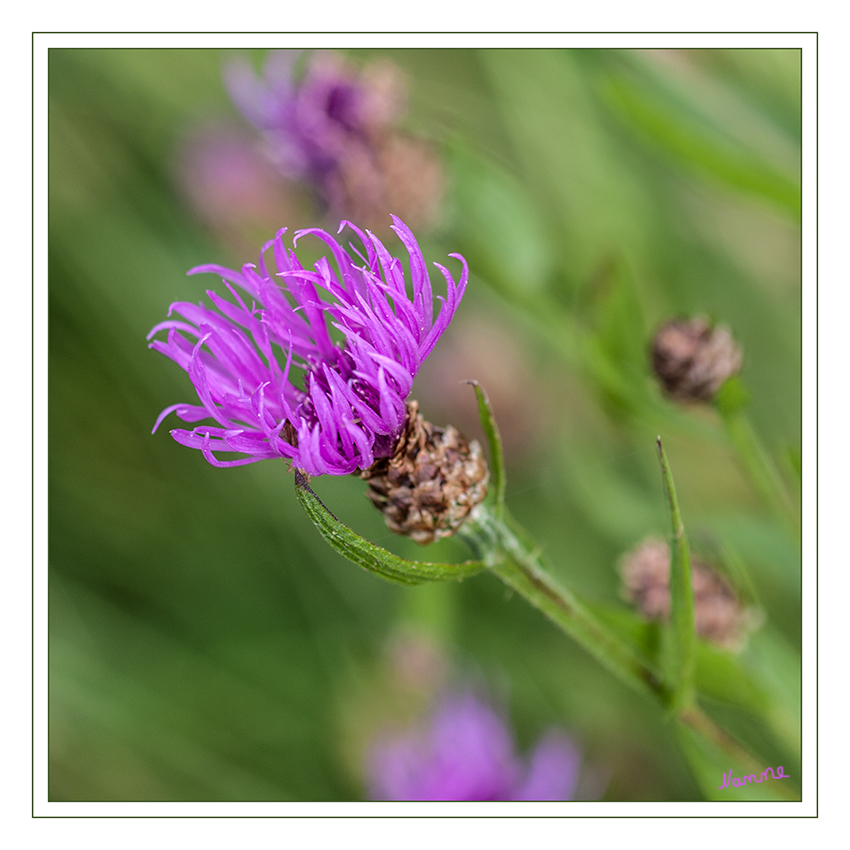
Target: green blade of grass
(681, 664)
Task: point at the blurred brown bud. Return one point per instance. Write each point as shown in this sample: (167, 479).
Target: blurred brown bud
(432, 481)
(692, 359)
(718, 613)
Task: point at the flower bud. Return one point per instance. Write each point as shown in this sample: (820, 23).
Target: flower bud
(434, 478)
(718, 614)
(692, 359)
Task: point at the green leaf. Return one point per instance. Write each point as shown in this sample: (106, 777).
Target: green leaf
(644, 636)
(750, 681)
(699, 143)
(683, 646)
(617, 315)
(718, 674)
(360, 551)
(615, 343)
(494, 443)
(721, 675)
(492, 202)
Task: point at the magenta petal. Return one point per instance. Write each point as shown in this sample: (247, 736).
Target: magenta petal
(465, 751)
(553, 770)
(243, 354)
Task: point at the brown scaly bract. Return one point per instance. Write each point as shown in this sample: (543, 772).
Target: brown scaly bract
(432, 481)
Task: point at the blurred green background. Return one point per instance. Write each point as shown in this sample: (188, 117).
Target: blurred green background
(205, 644)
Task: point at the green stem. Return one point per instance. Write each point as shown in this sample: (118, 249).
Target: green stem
(510, 554)
(520, 567)
(705, 726)
(760, 467)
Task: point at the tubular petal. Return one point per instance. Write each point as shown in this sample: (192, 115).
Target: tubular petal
(240, 353)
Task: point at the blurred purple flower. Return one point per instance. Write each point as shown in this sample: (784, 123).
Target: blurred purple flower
(223, 176)
(348, 408)
(231, 186)
(333, 128)
(311, 125)
(466, 752)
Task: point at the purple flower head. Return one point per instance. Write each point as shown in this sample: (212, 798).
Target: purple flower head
(324, 127)
(268, 371)
(466, 752)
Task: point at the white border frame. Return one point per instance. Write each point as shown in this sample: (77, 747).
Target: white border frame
(44, 808)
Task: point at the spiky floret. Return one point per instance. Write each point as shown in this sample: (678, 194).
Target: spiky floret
(268, 371)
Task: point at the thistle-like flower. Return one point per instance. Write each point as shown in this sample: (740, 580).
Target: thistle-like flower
(466, 752)
(268, 371)
(335, 129)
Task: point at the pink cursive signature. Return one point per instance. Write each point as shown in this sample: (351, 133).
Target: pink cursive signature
(745, 780)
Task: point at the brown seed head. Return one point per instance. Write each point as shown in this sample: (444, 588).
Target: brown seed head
(719, 615)
(692, 359)
(432, 481)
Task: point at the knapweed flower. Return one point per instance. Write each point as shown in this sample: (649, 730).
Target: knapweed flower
(269, 372)
(719, 615)
(466, 751)
(692, 359)
(334, 128)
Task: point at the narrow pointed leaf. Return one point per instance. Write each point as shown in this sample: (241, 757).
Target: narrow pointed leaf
(681, 663)
(494, 443)
(701, 144)
(360, 551)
